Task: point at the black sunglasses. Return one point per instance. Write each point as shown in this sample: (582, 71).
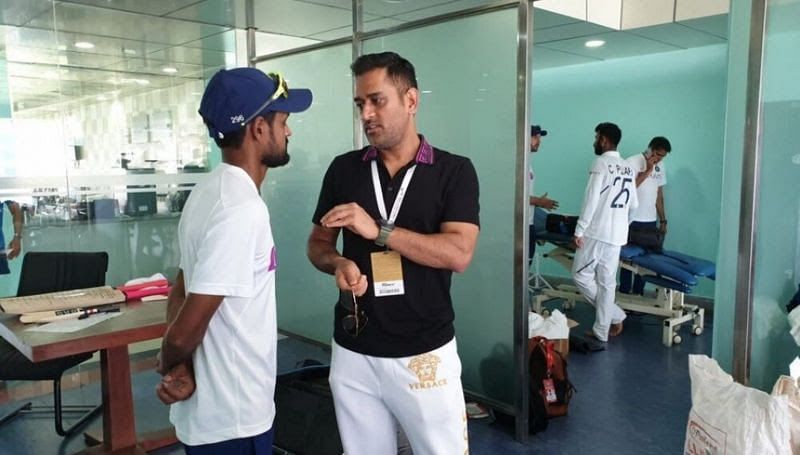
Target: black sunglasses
(354, 322)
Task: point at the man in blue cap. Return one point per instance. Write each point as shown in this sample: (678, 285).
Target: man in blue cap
(218, 356)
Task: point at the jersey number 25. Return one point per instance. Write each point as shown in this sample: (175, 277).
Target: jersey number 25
(616, 203)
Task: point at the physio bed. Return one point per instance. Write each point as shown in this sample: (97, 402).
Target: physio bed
(674, 275)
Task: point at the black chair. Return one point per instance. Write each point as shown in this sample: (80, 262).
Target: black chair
(51, 272)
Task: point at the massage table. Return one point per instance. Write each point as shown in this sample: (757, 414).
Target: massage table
(674, 275)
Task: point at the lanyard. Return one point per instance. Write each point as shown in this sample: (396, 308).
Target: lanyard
(401, 193)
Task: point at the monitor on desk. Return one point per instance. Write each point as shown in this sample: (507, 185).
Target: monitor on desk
(141, 203)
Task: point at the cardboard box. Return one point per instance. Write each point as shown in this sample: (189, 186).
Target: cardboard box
(561, 345)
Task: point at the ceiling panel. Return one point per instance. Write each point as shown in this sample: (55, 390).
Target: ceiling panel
(19, 12)
(222, 42)
(147, 67)
(436, 8)
(618, 45)
(678, 35)
(568, 31)
(48, 41)
(151, 7)
(88, 21)
(270, 43)
(375, 24)
(543, 19)
(544, 58)
(715, 25)
(296, 18)
(229, 13)
(389, 8)
(190, 55)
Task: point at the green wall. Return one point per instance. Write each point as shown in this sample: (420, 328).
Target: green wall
(680, 95)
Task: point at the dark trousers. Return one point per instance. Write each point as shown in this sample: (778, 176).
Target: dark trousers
(626, 277)
(531, 243)
(255, 445)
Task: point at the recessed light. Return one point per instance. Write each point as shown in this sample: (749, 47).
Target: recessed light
(62, 47)
(169, 69)
(594, 43)
(84, 45)
(128, 51)
(427, 91)
(101, 98)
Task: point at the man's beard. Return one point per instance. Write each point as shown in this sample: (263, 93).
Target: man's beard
(278, 158)
(598, 150)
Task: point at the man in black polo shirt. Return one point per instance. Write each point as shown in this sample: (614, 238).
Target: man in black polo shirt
(410, 218)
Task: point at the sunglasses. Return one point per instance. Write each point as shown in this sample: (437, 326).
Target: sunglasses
(355, 322)
(282, 90)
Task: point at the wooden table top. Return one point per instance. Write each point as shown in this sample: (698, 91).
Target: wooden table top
(138, 322)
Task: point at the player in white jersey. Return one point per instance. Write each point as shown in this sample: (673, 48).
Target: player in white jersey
(218, 356)
(650, 214)
(603, 228)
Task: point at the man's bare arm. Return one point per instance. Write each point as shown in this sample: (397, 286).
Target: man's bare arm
(321, 251)
(187, 329)
(177, 295)
(450, 249)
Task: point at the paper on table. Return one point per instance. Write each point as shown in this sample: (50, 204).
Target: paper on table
(73, 325)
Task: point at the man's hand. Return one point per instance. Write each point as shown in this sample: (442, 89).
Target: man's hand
(546, 203)
(662, 226)
(578, 242)
(14, 248)
(349, 277)
(352, 217)
(177, 385)
(650, 161)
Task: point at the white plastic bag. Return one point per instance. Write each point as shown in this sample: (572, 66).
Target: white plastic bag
(554, 327)
(789, 387)
(728, 418)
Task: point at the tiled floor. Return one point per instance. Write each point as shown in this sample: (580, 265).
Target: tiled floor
(633, 398)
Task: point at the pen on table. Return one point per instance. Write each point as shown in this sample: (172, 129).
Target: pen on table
(92, 311)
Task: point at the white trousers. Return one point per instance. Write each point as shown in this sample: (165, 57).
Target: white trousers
(595, 273)
(422, 393)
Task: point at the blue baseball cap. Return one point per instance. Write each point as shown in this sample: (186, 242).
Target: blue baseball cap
(536, 129)
(235, 97)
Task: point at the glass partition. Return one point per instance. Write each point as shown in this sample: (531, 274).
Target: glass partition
(468, 107)
(100, 138)
(305, 296)
(777, 261)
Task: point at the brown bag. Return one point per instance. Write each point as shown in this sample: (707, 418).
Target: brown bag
(548, 379)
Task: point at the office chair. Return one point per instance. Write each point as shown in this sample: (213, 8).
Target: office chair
(51, 272)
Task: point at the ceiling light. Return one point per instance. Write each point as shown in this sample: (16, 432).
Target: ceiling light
(62, 47)
(101, 98)
(427, 91)
(169, 70)
(129, 51)
(595, 43)
(84, 45)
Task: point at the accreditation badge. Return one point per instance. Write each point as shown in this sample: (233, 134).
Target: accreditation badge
(387, 273)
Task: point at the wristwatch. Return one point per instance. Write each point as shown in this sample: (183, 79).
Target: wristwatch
(386, 228)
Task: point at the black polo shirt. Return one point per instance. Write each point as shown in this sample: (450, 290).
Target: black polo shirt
(444, 188)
